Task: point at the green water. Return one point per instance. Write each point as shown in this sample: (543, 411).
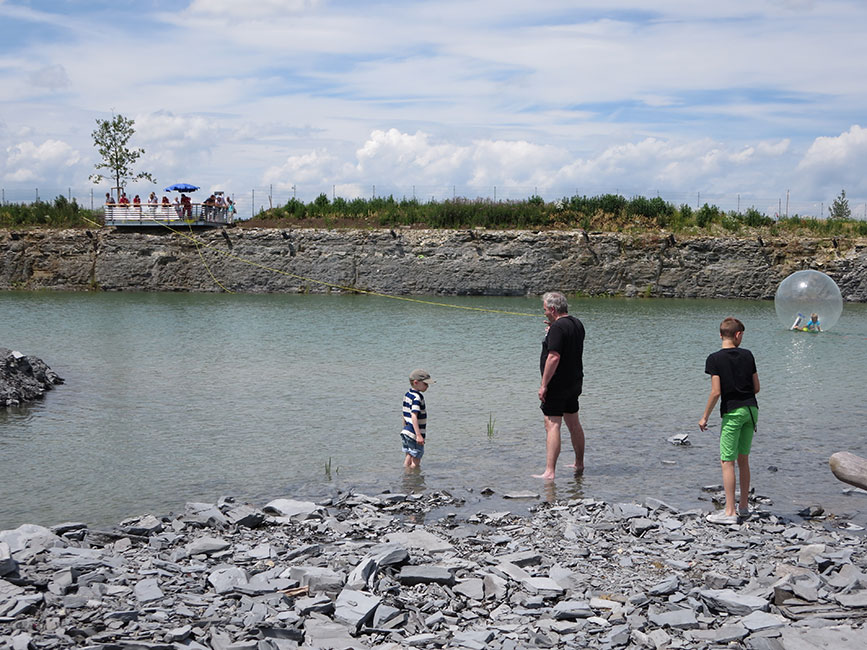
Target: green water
(187, 397)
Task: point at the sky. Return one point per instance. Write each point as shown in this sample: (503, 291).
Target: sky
(757, 103)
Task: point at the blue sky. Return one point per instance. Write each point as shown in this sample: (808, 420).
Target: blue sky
(749, 99)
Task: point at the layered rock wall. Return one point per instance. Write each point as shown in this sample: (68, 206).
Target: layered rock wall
(456, 262)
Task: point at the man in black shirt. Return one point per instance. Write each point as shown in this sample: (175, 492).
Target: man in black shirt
(562, 368)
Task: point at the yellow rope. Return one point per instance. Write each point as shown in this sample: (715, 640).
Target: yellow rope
(208, 268)
(198, 243)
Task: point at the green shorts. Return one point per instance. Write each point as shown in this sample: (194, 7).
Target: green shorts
(736, 432)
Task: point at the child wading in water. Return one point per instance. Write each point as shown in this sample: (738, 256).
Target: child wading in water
(735, 381)
(415, 419)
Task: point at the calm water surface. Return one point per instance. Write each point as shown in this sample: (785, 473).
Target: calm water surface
(172, 398)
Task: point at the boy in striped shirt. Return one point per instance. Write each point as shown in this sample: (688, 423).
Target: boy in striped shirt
(414, 419)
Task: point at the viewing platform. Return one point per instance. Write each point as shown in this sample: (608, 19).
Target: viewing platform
(193, 214)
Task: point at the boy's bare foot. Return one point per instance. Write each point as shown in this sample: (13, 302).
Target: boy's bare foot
(579, 469)
(546, 476)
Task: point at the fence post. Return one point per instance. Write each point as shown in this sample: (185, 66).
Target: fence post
(253, 204)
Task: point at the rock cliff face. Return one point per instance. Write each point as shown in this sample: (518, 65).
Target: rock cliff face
(457, 262)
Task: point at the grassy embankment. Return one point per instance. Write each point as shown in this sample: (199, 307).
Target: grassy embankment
(609, 212)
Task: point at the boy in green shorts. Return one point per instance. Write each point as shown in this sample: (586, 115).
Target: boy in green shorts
(734, 381)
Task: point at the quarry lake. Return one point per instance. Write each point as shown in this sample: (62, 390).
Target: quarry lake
(172, 398)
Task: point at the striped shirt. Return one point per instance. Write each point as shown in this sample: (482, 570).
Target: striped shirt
(413, 402)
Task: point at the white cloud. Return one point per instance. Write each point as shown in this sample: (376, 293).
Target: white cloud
(312, 167)
(838, 152)
(837, 162)
(49, 161)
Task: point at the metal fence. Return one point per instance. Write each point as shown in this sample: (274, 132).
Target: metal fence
(251, 202)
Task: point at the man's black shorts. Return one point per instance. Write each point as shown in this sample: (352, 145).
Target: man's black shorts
(559, 404)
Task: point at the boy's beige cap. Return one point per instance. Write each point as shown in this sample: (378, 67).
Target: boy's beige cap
(421, 375)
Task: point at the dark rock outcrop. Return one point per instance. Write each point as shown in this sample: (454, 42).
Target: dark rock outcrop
(453, 262)
(23, 378)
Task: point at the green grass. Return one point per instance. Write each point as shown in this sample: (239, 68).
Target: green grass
(62, 213)
(608, 212)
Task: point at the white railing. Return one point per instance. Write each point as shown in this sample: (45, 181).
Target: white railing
(149, 214)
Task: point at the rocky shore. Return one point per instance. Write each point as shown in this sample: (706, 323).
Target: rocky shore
(24, 378)
(359, 571)
(409, 261)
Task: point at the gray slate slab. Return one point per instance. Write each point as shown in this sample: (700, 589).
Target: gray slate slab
(570, 610)
(421, 575)
(473, 588)
(317, 578)
(147, 590)
(681, 619)
(294, 510)
(758, 621)
(207, 545)
(8, 565)
(225, 579)
(728, 600)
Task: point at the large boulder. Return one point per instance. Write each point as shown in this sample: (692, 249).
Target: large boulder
(23, 378)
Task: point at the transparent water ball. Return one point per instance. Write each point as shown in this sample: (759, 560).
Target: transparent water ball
(805, 293)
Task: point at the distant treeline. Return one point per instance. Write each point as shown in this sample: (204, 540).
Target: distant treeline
(609, 212)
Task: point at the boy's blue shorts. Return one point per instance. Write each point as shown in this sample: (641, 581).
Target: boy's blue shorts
(411, 447)
(736, 432)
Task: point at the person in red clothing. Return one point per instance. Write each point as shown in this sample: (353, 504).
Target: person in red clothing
(123, 201)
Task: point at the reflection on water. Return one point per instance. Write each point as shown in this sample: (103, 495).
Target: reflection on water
(413, 481)
(571, 487)
(172, 398)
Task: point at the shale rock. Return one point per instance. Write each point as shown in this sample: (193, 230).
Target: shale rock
(24, 378)
(355, 573)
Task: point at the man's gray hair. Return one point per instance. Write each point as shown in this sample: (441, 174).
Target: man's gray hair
(556, 301)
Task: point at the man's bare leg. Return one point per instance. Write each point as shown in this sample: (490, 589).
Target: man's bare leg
(552, 446)
(576, 432)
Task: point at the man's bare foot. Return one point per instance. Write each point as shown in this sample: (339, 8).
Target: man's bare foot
(579, 469)
(546, 476)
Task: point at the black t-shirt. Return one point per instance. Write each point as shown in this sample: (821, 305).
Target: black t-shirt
(566, 336)
(735, 367)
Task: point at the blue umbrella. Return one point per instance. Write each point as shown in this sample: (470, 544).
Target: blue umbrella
(181, 187)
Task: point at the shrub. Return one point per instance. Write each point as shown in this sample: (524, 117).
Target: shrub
(707, 215)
